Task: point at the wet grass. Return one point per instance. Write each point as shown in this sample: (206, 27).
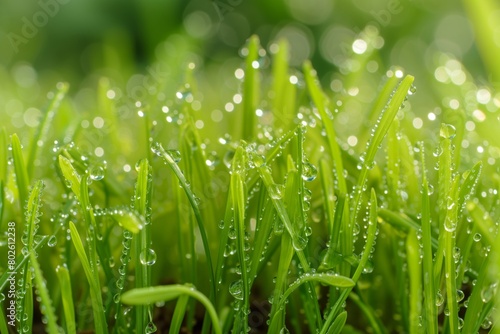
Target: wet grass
(274, 217)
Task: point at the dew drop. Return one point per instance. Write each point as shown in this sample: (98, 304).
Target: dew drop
(176, 155)
(488, 292)
(236, 289)
(276, 191)
(439, 299)
(148, 257)
(52, 241)
(150, 328)
(97, 173)
(309, 172)
(447, 131)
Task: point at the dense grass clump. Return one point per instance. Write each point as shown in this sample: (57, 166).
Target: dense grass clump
(270, 206)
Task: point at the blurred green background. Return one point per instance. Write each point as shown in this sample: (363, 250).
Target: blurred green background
(352, 44)
(72, 38)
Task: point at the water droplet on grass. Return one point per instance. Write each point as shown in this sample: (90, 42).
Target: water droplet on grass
(276, 191)
(236, 289)
(447, 131)
(52, 241)
(176, 155)
(488, 292)
(148, 257)
(309, 172)
(150, 328)
(97, 173)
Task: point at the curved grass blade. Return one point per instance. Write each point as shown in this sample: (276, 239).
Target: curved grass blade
(338, 324)
(93, 280)
(39, 138)
(382, 98)
(320, 101)
(22, 178)
(327, 279)
(381, 128)
(250, 88)
(370, 240)
(274, 152)
(167, 293)
(67, 298)
(160, 151)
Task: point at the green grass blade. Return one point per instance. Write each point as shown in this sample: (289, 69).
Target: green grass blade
(3, 155)
(393, 167)
(250, 88)
(31, 226)
(427, 256)
(67, 298)
(369, 313)
(485, 28)
(276, 195)
(2, 201)
(45, 301)
(415, 277)
(150, 295)
(262, 232)
(473, 318)
(449, 248)
(381, 128)
(327, 279)
(171, 162)
(320, 101)
(144, 254)
(93, 280)
(338, 324)
(21, 260)
(382, 98)
(370, 240)
(38, 140)
(20, 169)
(239, 202)
(71, 175)
(469, 185)
(126, 218)
(178, 316)
(286, 253)
(3, 320)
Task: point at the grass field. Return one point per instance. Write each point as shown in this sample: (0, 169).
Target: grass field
(257, 196)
